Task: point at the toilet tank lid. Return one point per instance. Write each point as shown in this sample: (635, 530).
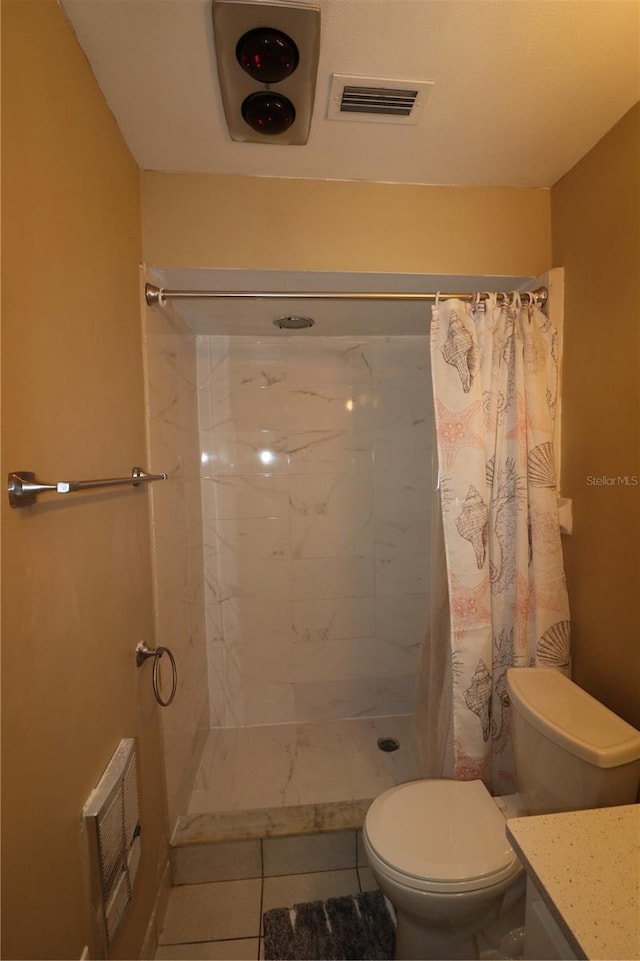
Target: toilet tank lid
(571, 718)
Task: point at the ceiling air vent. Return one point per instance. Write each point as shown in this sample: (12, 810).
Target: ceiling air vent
(376, 100)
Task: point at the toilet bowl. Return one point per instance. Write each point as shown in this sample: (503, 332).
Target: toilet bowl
(445, 883)
(438, 848)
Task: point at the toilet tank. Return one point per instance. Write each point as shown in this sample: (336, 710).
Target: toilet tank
(570, 751)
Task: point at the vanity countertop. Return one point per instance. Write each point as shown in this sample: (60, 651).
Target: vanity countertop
(586, 865)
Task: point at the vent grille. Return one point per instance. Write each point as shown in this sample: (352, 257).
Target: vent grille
(112, 836)
(377, 100)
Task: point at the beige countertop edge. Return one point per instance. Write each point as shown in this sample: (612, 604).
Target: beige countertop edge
(557, 914)
(599, 847)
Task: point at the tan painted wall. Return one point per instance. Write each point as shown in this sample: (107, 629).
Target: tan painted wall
(203, 220)
(76, 572)
(596, 237)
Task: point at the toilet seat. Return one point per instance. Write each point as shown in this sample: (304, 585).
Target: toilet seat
(440, 836)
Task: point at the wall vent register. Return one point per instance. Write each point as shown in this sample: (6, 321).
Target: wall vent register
(112, 838)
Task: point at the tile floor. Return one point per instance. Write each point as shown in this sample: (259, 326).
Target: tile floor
(263, 767)
(288, 764)
(221, 920)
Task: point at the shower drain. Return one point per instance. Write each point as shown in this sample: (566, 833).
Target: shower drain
(388, 744)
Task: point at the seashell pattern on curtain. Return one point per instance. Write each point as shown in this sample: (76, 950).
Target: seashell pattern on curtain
(495, 384)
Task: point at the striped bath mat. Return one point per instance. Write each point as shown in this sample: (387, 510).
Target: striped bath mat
(354, 927)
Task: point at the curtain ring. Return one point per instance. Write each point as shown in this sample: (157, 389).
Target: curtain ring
(529, 303)
(437, 303)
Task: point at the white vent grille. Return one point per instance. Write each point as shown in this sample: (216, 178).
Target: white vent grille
(377, 101)
(112, 832)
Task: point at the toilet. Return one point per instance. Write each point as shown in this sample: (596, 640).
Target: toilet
(438, 848)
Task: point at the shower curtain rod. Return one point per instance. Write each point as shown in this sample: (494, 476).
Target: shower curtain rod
(158, 296)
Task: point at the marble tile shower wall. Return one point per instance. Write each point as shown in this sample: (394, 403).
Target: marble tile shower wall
(176, 506)
(316, 479)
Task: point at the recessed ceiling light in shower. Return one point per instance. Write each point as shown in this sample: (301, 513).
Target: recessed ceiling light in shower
(294, 322)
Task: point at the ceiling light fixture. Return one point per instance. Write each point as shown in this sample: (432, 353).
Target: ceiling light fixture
(267, 57)
(268, 113)
(293, 322)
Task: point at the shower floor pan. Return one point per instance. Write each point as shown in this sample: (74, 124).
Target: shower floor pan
(289, 779)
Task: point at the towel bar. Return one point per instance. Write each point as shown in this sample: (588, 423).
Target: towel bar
(23, 488)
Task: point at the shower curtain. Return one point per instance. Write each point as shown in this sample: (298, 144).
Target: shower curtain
(495, 382)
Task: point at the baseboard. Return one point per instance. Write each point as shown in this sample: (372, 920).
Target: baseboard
(150, 942)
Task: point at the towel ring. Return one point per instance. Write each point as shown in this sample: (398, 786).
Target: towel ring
(142, 653)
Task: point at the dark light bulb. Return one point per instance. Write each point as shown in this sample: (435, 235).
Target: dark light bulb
(268, 113)
(267, 55)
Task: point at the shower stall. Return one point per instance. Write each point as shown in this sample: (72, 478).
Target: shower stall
(292, 540)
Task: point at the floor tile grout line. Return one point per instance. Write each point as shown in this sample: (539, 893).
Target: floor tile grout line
(176, 944)
(261, 895)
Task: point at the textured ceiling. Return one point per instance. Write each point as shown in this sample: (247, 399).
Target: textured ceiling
(522, 88)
